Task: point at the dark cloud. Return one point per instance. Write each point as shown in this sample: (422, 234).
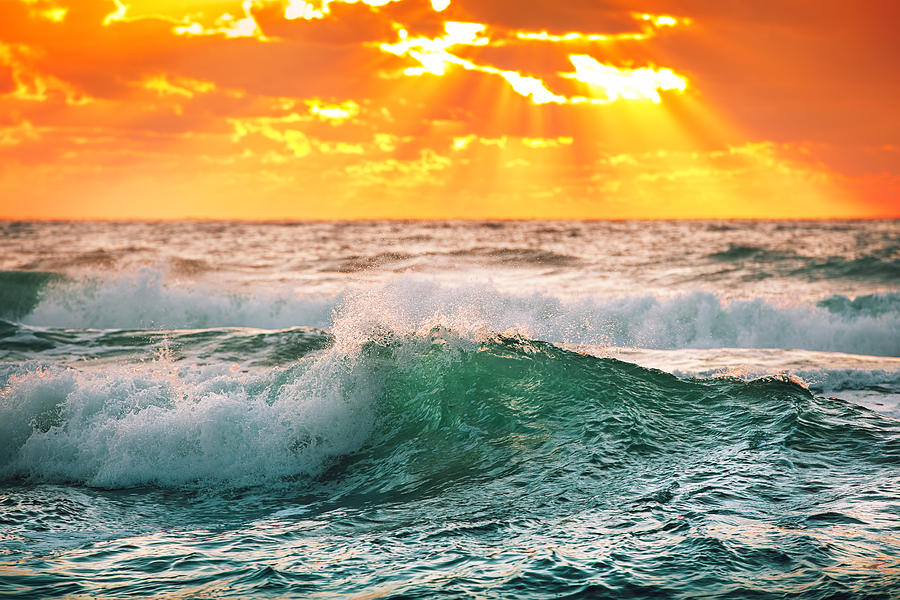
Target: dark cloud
(7, 83)
(552, 15)
(346, 24)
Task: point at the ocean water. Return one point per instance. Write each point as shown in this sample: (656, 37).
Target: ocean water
(450, 409)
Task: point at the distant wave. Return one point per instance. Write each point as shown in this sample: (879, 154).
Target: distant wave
(877, 389)
(190, 266)
(862, 268)
(355, 263)
(746, 252)
(522, 257)
(881, 265)
(869, 305)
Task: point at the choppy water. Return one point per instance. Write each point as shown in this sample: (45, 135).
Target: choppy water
(414, 410)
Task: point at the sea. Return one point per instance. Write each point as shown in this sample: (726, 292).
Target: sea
(450, 409)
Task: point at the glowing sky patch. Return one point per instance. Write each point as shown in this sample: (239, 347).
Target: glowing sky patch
(300, 9)
(333, 113)
(46, 9)
(574, 36)
(119, 14)
(547, 143)
(433, 54)
(29, 84)
(185, 87)
(228, 25)
(629, 84)
(661, 20)
(17, 134)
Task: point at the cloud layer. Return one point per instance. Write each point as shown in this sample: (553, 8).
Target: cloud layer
(417, 109)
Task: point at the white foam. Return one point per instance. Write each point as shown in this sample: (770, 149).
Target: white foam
(145, 300)
(184, 426)
(695, 320)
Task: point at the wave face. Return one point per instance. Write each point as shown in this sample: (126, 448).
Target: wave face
(20, 291)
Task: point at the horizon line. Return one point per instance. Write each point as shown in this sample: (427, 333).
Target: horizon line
(198, 219)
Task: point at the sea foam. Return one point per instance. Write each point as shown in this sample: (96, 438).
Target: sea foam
(700, 319)
(172, 426)
(147, 300)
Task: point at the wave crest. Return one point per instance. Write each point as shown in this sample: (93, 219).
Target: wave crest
(866, 325)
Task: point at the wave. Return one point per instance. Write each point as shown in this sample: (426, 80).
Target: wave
(865, 325)
(20, 291)
(356, 263)
(145, 300)
(875, 389)
(868, 305)
(520, 256)
(190, 266)
(695, 320)
(98, 258)
(394, 412)
(860, 269)
(237, 345)
(480, 254)
(879, 265)
(174, 426)
(740, 252)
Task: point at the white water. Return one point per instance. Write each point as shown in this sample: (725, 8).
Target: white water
(698, 319)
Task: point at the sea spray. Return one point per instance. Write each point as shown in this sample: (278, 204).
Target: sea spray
(172, 426)
(148, 300)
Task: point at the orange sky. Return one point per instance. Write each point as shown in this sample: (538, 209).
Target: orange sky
(269, 109)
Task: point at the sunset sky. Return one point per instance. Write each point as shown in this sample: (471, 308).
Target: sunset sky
(270, 109)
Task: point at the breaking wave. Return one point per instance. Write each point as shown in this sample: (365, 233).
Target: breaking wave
(396, 412)
(867, 324)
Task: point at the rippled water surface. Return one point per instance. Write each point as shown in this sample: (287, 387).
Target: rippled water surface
(450, 409)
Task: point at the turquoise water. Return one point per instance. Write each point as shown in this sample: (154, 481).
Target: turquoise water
(473, 426)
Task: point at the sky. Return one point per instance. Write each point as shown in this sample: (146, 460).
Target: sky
(345, 109)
